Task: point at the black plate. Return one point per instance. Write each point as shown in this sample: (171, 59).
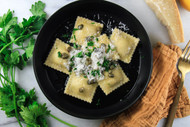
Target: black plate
(52, 82)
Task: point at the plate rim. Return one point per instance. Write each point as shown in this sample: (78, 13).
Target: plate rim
(83, 116)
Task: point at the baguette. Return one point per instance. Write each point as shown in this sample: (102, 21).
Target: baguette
(168, 13)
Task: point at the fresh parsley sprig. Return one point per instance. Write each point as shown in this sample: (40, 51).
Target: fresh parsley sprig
(14, 37)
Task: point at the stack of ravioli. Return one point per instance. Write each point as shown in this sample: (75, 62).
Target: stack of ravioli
(124, 43)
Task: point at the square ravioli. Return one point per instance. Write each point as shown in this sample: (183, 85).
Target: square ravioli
(125, 44)
(109, 84)
(84, 28)
(105, 40)
(54, 60)
(78, 87)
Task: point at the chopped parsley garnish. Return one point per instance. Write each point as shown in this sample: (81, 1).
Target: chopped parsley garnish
(75, 45)
(75, 29)
(85, 76)
(94, 48)
(65, 35)
(109, 48)
(90, 50)
(72, 58)
(88, 54)
(113, 49)
(98, 72)
(75, 68)
(90, 43)
(93, 23)
(72, 64)
(97, 39)
(74, 37)
(98, 63)
(80, 54)
(59, 54)
(95, 72)
(106, 64)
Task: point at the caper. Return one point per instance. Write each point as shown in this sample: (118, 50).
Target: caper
(65, 55)
(99, 29)
(111, 75)
(69, 48)
(92, 81)
(80, 26)
(112, 67)
(70, 68)
(83, 72)
(89, 38)
(81, 90)
(103, 45)
(88, 61)
(114, 63)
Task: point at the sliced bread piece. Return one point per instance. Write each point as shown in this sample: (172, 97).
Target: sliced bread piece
(167, 11)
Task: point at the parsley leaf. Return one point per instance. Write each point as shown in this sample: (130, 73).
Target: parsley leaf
(75, 38)
(12, 58)
(98, 63)
(109, 48)
(34, 114)
(95, 72)
(106, 64)
(90, 43)
(76, 46)
(37, 9)
(5, 18)
(14, 33)
(88, 54)
(80, 54)
(30, 48)
(6, 102)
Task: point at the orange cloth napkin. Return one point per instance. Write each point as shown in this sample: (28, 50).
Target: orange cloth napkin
(157, 98)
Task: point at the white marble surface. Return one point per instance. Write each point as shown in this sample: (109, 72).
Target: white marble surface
(155, 30)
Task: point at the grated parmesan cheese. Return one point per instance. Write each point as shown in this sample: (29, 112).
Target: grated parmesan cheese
(97, 57)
